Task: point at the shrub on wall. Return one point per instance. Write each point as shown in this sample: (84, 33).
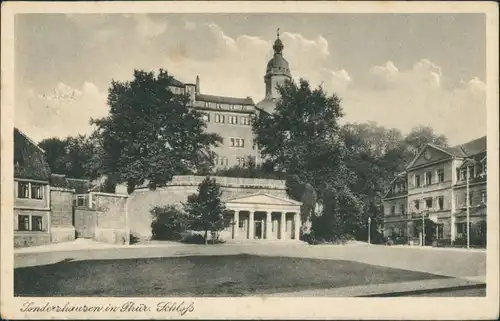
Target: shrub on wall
(168, 223)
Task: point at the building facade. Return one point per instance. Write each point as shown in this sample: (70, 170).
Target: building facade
(231, 117)
(52, 208)
(429, 200)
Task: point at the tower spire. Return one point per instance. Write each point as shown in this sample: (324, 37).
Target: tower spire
(278, 45)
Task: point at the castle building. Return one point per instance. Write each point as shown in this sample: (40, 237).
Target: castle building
(433, 189)
(231, 117)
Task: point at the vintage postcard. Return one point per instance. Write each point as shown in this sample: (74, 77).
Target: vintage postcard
(249, 160)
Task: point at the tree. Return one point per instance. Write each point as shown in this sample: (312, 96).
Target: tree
(206, 210)
(168, 222)
(151, 134)
(76, 157)
(55, 153)
(303, 138)
(302, 192)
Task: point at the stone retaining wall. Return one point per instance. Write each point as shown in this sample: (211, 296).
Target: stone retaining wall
(142, 200)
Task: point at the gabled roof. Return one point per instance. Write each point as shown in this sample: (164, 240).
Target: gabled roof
(225, 100)
(469, 149)
(262, 198)
(29, 159)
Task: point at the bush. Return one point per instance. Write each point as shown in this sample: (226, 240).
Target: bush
(168, 223)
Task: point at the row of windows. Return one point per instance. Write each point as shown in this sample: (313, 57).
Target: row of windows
(429, 178)
(240, 161)
(438, 175)
(474, 171)
(463, 200)
(30, 223)
(29, 190)
(224, 106)
(430, 203)
(231, 119)
(401, 209)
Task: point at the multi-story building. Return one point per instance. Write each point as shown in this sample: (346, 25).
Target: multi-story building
(430, 198)
(231, 117)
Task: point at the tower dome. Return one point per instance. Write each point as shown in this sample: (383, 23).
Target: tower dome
(277, 73)
(278, 64)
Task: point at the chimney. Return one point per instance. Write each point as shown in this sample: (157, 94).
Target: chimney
(197, 84)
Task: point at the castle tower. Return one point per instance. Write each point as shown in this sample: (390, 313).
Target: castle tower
(277, 72)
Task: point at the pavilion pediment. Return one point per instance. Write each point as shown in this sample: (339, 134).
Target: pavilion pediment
(264, 199)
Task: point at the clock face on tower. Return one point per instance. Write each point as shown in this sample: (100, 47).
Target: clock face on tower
(427, 154)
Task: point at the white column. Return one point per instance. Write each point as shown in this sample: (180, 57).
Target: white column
(236, 225)
(268, 225)
(297, 226)
(251, 226)
(282, 226)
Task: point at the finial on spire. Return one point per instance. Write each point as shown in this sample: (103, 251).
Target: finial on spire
(278, 45)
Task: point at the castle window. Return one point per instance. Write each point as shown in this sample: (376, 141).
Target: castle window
(219, 118)
(393, 210)
(232, 120)
(237, 142)
(402, 209)
(417, 204)
(245, 120)
(417, 180)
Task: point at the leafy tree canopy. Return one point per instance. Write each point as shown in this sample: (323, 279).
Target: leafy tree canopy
(151, 134)
(75, 157)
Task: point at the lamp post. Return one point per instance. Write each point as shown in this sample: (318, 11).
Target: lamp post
(423, 227)
(369, 230)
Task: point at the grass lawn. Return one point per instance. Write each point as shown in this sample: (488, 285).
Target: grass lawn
(230, 275)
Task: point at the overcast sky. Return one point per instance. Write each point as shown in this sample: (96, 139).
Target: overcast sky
(399, 70)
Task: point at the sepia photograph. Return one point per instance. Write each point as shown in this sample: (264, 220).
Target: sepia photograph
(158, 161)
